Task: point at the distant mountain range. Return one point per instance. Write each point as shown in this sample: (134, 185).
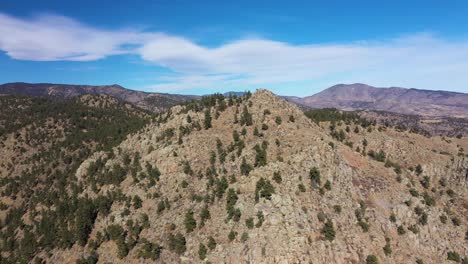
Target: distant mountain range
(394, 99)
(154, 102)
(342, 96)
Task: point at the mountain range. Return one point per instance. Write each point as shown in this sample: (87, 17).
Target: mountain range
(342, 96)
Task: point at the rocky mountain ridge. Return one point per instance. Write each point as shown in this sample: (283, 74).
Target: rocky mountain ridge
(255, 181)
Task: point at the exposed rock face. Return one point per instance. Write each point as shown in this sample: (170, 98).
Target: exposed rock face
(400, 100)
(359, 196)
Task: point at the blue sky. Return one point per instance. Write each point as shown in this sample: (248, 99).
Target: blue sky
(199, 47)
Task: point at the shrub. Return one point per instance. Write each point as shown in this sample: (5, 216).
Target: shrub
(115, 232)
(393, 218)
(364, 225)
(327, 185)
(244, 237)
(231, 200)
(379, 156)
(387, 248)
(161, 206)
(414, 229)
(418, 169)
(453, 256)
(413, 192)
(301, 187)
(321, 216)
(190, 222)
(232, 235)
(204, 215)
(278, 120)
(314, 175)
(260, 219)
(235, 136)
(202, 251)
(122, 248)
(137, 202)
(244, 131)
(187, 168)
(456, 221)
(426, 182)
(443, 219)
(364, 142)
(177, 243)
(255, 132)
(263, 189)
(372, 259)
(277, 177)
(245, 168)
(211, 243)
(249, 222)
(260, 156)
(150, 251)
(423, 219)
(220, 186)
(337, 208)
(184, 184)
(292, 119)
(328, 230)
(401, 230)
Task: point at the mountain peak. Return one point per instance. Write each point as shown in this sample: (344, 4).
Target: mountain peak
(264, 94)
(360, 96)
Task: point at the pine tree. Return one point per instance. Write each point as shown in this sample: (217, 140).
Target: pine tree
(207, 121)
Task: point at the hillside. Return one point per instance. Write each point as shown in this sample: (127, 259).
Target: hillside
(399, 100)
(42, 143)
(233, 180)
(155, 102)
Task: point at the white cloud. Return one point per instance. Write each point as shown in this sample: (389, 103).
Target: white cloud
(51, 38)
(419, 60)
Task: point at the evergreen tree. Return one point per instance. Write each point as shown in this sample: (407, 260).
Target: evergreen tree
(207, 120)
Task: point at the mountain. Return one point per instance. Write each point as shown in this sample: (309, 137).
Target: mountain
(400, 100)
(154, 102)
(251, 179)
(344, 97)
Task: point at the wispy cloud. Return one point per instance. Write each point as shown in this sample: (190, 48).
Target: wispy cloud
(415, 60)
(51, 38)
